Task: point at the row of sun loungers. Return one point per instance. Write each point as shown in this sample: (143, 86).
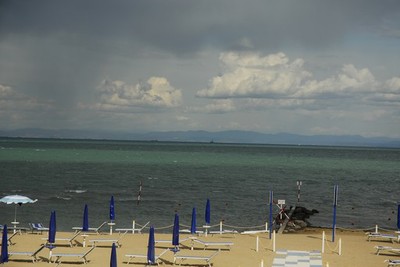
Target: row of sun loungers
(387, 250)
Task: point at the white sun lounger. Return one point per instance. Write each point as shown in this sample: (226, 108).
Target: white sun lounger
(32, 255)
(393, 263)
(383, 237)
(224, 232)
(137, 230)
(187, 231)
(142, 256)
(79, 256)
(380, 249)
(92, 229)
(64, 240)
(206, 259)
(219, 244)
(110, 241)
(253, 232)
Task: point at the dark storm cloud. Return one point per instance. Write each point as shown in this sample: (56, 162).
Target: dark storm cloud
(186, 26)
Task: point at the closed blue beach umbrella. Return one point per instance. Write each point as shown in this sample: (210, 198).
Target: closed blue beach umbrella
(85, 223)
(112, 211)
(52, 228)
(113, 259)
(208, 212)
(151, 250)
(398, 216)
(193, 224)
(4, 246)
(175, 231)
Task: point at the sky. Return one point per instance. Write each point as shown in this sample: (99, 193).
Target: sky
(296, 66)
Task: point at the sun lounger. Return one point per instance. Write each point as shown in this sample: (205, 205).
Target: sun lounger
(224, 232)
(110, 241)
(383, 237)
(65, 240)
(187, 231)
(138, 230)
(219, 244)
(79, 256)
(393, 262)
(10, 243)
(143, 256)
(206, 259)
(32, 255)
(380, 249)
(38, 228)
(252, 232)
(92, 229)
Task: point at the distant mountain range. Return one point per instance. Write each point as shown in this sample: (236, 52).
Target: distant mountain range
(210, 137)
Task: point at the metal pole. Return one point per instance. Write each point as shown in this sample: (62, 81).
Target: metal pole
(335, 199)
(299, 183)
(271, 200)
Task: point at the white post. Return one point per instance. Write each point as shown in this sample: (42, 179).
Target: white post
(323, 242)
(266, 227)
(220, 227)
(340, 246)
(273, 241)
(257, 240)
(376, 229)
(327, 264)
(133, 226)
(262, 263)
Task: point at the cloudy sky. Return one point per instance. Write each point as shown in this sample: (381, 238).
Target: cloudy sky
(297, 66)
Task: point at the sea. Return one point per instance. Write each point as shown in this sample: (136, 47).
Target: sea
(151, 181)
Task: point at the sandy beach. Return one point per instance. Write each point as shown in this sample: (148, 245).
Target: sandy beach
(356, 250)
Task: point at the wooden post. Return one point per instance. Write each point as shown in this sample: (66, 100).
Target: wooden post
(257, 240)
(340, 246)
(133, 226)
(323, 242)
(273, 241)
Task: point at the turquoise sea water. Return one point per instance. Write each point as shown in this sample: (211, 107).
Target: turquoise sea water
(66, 174)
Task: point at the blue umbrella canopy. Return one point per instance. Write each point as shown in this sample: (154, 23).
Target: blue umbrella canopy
(175, 231)
(151, 250)
(398, 216)
(112, 211)
(52, 228)
(208, 212)
(4, 246)
(113, 259)
(85, 223)
(193, 224)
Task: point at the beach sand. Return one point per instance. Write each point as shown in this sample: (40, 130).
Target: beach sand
(356, 250)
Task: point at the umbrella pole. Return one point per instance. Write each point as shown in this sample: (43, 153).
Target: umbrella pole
(15, 219)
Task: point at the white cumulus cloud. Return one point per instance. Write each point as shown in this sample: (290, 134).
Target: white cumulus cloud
(276, 81)
(251, 75)
(156, 92)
